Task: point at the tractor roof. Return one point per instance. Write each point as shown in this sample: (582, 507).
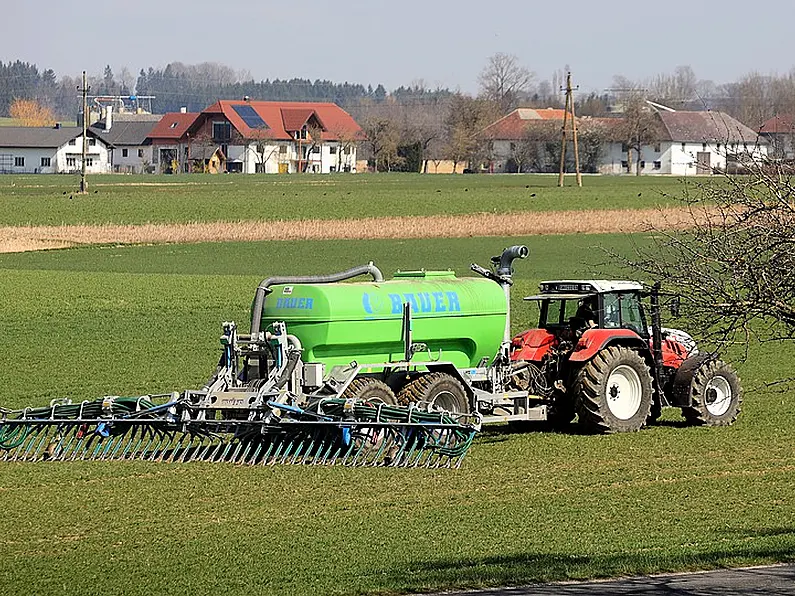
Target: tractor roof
(588, 286)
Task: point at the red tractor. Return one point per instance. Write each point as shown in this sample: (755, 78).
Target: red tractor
(593, 355)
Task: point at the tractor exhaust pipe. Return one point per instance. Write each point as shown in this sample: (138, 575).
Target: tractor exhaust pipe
(264, 287)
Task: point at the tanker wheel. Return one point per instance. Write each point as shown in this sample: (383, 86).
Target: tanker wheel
(614, 391)
(715, 392)
(370, 390)
(441, 391)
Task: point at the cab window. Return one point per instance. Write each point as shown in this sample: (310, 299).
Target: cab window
(630, 313)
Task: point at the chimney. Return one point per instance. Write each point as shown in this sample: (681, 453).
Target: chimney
(57, 126)
(183, 110)
(108, 118)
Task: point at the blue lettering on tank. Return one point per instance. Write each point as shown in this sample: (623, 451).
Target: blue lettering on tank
(397, 304)
(296, 303)
(452, 302)
(425, 301)
(439, 301)
(411, 299)
(368, 308)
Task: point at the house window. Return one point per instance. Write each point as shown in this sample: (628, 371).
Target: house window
(657, 147)
(332, 169)
(92, 142)
(703, 146)
(124, 152)
(624, 147)
(513, 146)
(89, 162)
(140, 153)
(283, 149)
(73, 141)
(657, 165)
(71, 162)
(347, 151)
(45, 162)
(683, 146)
(222, 131)
(642, 164)
(19, 162)
(625, 164)
(316, 149)
(333, 150)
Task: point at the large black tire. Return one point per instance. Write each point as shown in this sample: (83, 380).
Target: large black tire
(370, 390)
(715, 392)
(614, 391)
(440, 390)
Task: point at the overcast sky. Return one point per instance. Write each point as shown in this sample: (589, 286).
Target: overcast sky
(441, 42)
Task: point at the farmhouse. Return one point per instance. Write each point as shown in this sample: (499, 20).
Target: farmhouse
(686, 143)
(170, 142)
(271, 137)
(45, 150)
(689, 143)
(128, 137)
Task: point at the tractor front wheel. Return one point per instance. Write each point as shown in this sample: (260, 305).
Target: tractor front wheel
(439, 390)
(715, 394)
(614, 391)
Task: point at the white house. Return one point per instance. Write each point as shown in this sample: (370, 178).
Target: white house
(128, 137)
(276, 137)
(689, 143)
(45, 150)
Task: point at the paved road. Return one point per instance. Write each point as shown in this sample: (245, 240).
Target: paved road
(777, 580)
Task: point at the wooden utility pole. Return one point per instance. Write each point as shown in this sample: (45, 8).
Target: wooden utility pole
(84, 90)
(563, 143)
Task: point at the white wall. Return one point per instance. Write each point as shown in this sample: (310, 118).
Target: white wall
(132, 163)
(32, 158)
(60, 159)
(322, 162)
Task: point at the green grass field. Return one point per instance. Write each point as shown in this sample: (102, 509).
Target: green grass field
(51, 200)
(524, 507)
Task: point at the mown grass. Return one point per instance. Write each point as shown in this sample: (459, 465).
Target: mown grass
(524, 506)
(52, 200)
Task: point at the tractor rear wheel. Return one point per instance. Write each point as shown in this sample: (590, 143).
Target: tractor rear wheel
(614, 391)
(370, 390)
(438, 390)
(715, 393)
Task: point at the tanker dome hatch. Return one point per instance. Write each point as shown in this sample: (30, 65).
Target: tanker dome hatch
(588, 286)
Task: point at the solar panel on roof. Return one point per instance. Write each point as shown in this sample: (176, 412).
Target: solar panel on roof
(250, 116)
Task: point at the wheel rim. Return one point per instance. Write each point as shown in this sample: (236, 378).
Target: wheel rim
(623, 392)
(445, 400)
(718, 396)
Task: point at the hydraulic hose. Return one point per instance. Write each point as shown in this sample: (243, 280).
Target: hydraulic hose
(264, 287)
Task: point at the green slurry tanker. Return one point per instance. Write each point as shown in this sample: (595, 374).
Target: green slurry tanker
(398, 373)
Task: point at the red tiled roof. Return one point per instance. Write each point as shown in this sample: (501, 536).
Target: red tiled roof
(173, 125)
(514, 125)
(778, 124)
(284, 117)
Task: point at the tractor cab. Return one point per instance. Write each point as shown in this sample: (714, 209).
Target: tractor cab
(570, 307)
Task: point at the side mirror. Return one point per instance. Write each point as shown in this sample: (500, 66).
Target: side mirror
(675, 306)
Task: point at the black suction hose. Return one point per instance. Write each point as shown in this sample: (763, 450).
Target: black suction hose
(264, 287)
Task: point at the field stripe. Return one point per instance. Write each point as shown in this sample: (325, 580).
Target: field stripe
(25, 238)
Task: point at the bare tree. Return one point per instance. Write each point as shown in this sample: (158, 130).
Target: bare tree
(465, 121)
(503, 81)
(735, 266)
